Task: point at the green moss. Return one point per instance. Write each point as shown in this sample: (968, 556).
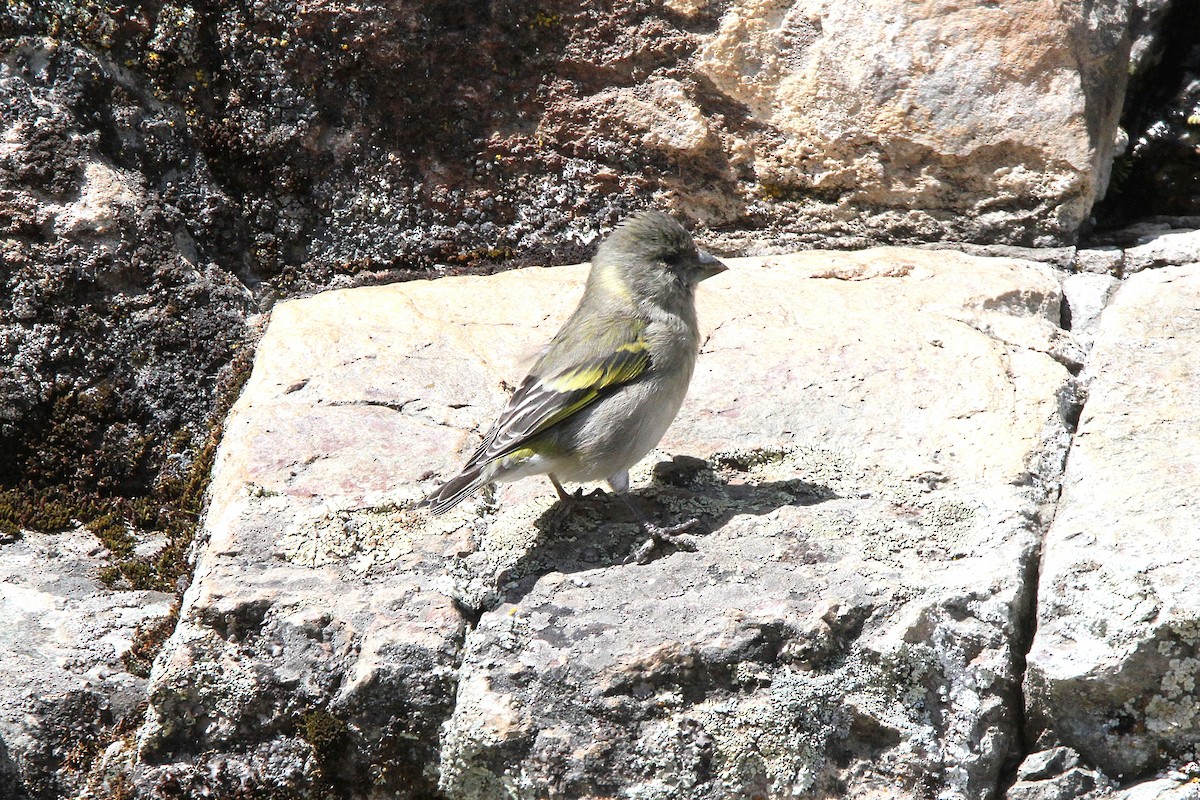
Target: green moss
(787, 193)
(144, 513)
(772, 191)
(43, 510)
(113, 533)
(326, 734)
(482, 256)
(546, 20)
(172, 509)
(140, 574)
(76, 424)
(322, 730)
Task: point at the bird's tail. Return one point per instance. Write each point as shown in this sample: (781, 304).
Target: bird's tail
(454, 491)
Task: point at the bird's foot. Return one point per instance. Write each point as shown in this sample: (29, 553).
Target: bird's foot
(567, 502)
(675, 535)
(559, 512)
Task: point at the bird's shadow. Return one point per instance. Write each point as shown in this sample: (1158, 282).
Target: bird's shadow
(598, 530)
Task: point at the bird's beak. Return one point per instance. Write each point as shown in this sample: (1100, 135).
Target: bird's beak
(708, 265)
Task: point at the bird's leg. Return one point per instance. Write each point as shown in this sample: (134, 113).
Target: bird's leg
(562, 493)
(567, 502)
(566, 496)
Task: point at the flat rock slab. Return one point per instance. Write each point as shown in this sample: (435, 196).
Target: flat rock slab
(869, 442)
(64, 686)
(1115, 663)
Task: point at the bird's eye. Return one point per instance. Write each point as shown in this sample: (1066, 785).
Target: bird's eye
(673, 258)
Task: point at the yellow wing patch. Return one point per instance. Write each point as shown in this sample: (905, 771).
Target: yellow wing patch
(540, 403)
(627, 362)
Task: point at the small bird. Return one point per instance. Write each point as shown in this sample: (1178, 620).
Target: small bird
(604, 390)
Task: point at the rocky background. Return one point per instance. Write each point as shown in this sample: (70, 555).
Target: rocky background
(169, 171)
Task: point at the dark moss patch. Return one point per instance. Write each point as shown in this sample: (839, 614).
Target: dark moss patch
(173, 509)
(170, 511)
(74, 730)
(147, 643)
(323, 731)
(47, 511)
(326, 734)
(114, 532)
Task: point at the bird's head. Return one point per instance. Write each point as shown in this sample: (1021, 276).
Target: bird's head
(652, 257)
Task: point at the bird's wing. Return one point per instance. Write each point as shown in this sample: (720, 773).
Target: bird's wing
(598, 364)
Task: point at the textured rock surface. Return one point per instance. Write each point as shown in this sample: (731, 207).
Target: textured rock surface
(866, 108)
(1177, 787)
(62, 639)
(1056, 774)
(873, 489)
(165, 170)
(319, 641)
(1114, 665)
(115, 318)
(1085, 296)
(1162, 249)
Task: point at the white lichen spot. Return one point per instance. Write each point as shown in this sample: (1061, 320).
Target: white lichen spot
(106, 192)
(358, 538)
(1175, 709)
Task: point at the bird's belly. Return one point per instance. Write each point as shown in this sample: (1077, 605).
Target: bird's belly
(623, 428)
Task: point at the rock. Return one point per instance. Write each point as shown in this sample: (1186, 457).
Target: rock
(1047, 764)
(531, 128)
(64, 687)
(1061, 257)
(873, 487)
(1085, 295)
(888, 112)
(114, 317)
(659, 114)
(1100, 260)
(1056, 774)
(852, 619)
(1140, 231)
(1148, 36)
(165, 173)
(1113, 666)
(1075, 783)
(319, 642)
(1168, 248)
(1179, 787)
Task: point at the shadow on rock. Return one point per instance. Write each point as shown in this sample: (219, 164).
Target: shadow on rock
(599, 530)
(10, 780)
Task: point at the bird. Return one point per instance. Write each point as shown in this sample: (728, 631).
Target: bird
(604, 390)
